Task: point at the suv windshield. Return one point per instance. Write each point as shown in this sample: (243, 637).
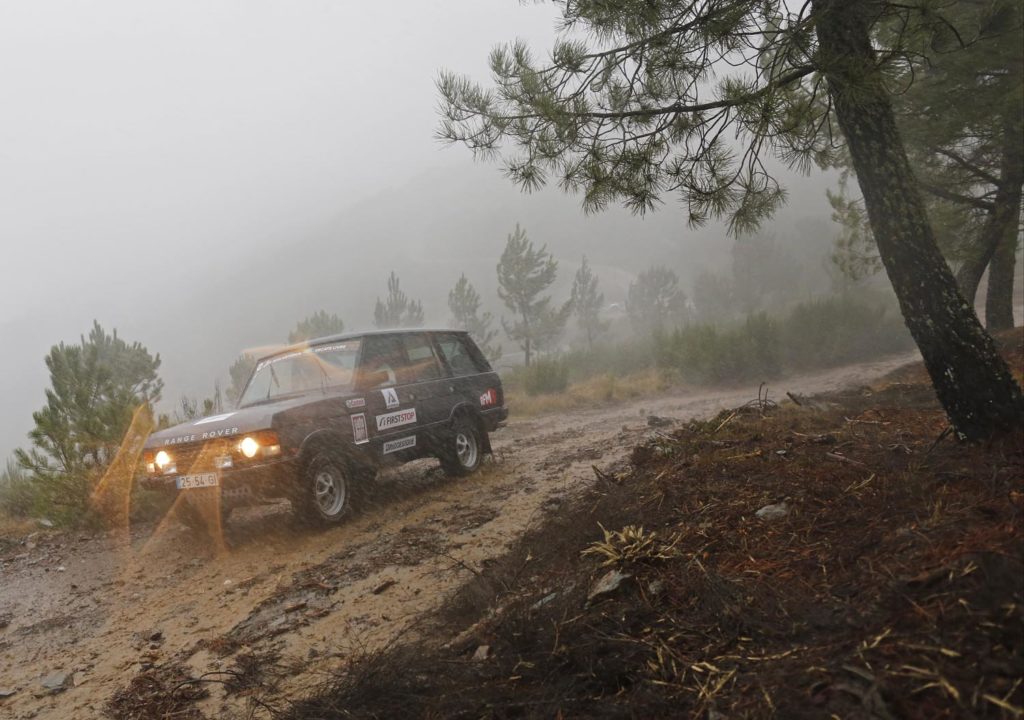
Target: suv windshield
(314, 368)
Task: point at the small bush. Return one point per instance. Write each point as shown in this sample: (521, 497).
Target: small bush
(546, 375)
(17, 496)
(706, 354)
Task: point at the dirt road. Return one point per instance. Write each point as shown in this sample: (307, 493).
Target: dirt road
(85, 613)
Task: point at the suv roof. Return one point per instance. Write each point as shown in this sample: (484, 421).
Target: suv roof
(353, 335)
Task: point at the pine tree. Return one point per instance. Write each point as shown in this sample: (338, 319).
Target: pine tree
(655, 301)
(713, 297)
(190, 408)
(642, 116)
(464, 304)
(969, 156)
(317, 325)
(587, 302)
(525, 272)
(95, 389)
(397, 310)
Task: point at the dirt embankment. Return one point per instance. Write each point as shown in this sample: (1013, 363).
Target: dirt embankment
(86, 614)
(840, 557)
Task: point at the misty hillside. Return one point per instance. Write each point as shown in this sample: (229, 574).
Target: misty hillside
(429, 230)
(200, 312)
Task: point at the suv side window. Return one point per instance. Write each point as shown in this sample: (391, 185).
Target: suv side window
(383, 361)
(462, 357)
(423, 365)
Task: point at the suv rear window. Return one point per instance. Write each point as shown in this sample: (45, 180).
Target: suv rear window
(462, 355)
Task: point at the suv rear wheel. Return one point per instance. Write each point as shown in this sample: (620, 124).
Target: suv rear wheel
(325, 491)
(464, 448)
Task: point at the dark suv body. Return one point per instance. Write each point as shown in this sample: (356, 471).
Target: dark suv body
(316, 420)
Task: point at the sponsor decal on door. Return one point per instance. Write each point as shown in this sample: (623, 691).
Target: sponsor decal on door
(390, 397)
(488, 398)
(359, 434)
(355, 403)
(396, 419)
(400, 444)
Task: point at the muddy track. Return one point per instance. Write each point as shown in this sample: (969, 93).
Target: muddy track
(101, 608)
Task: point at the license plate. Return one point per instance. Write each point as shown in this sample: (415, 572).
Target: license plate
(186, 482)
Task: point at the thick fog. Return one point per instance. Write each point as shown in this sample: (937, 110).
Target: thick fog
(200, 176)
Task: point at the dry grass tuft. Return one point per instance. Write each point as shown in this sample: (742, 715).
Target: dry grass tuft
(12, 528)
(632, 545)
(605, 389)
(163, 692)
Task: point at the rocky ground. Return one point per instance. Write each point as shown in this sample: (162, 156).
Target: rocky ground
(85, 616)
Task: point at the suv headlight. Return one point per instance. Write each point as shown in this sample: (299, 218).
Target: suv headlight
(260, 444)
(249, 446)
(159, 461)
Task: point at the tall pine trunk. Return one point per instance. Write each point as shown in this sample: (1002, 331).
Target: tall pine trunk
(971, 379)
(1004, 214)
(527, 346)
(999, 298)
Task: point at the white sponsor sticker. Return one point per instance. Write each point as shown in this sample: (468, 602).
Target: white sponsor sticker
(213, 418)
(390, 397)
(355, 403)
(396, 419)
(400, 444)
(329, 348)
(359, 434)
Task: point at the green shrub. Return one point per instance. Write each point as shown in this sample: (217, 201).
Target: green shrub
(837, 330)
(546, 375)
(66, 500)
(621, 358)
(17, 496)
(705, 354)
(814, 334)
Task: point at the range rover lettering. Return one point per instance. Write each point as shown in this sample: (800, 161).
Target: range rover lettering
(316, 421)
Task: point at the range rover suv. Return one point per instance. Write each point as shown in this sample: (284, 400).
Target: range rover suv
(316, 421)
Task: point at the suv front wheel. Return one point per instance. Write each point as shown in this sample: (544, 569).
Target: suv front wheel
(464, 450)
(325, 493)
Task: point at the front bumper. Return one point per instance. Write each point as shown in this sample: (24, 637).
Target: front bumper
(263, 480)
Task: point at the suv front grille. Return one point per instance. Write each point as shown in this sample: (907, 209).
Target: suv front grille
(197, 457)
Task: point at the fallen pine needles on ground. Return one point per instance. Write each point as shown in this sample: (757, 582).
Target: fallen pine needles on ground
(840, 558)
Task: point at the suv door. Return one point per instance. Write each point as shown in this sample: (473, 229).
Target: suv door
(424, 381)
(392, 415)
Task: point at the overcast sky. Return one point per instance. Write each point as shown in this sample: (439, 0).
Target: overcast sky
(152, 151)
(142, 138)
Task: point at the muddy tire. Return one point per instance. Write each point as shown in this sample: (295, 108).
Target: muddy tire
(199, 511)
(325, 493)
(464, 448)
